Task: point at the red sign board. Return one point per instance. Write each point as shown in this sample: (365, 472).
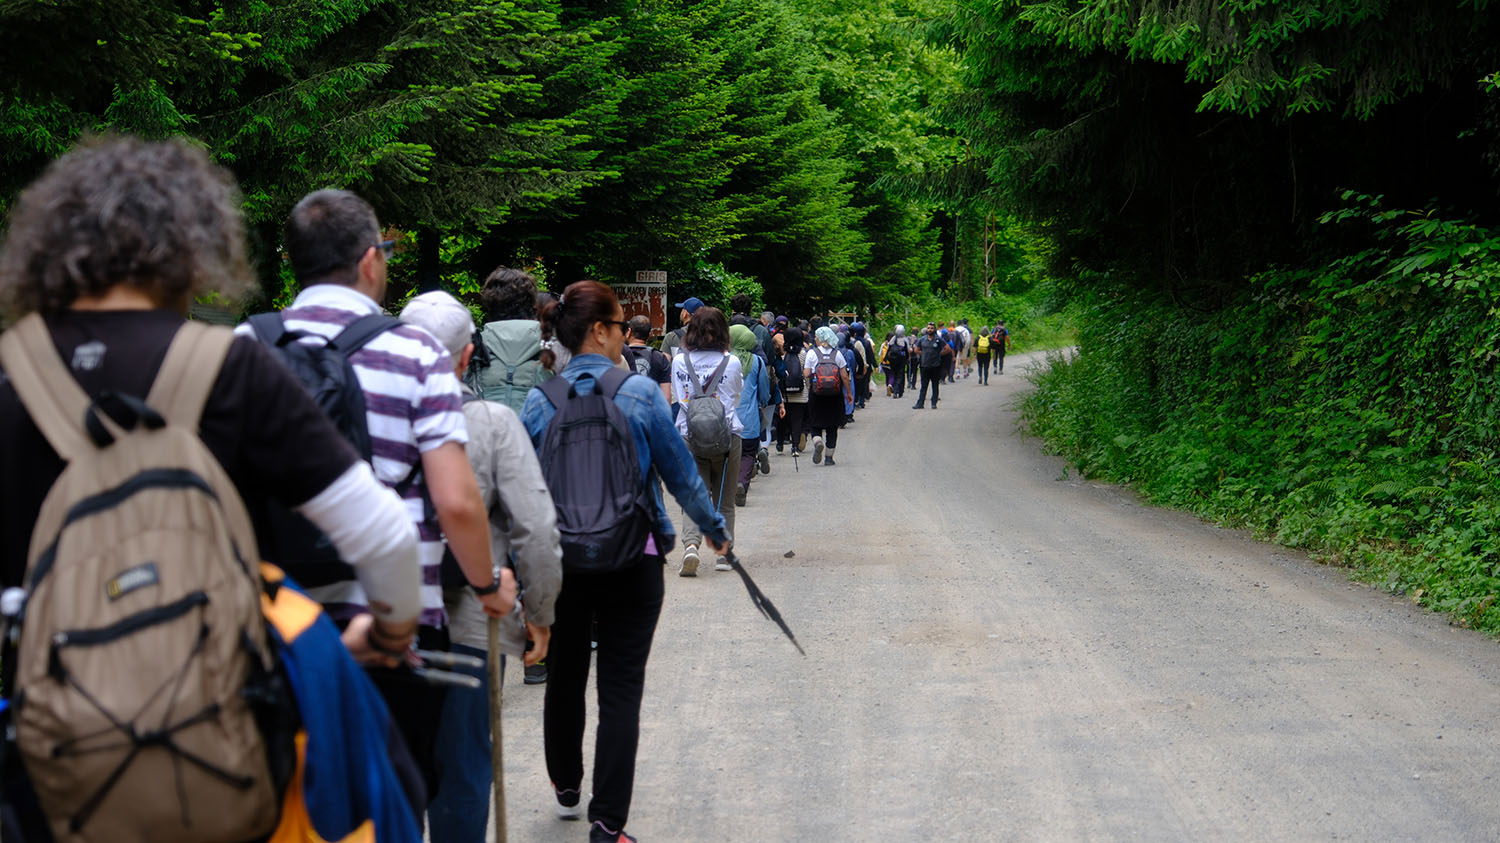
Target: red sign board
(649, 300)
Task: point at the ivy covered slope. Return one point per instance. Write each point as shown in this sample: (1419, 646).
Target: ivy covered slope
(1281, 221)
(578, 138)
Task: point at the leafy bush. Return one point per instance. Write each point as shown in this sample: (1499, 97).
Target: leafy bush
(1350, 409)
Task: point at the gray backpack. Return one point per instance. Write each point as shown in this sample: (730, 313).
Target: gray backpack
(708, 432)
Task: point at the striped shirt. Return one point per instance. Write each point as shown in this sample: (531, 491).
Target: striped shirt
(412, 405)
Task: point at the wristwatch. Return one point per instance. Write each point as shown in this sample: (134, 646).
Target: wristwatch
(493, 587)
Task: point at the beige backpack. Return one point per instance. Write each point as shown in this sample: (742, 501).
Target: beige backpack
(142, 619)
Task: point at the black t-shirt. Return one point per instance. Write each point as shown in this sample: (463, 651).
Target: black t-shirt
(650, 362)
(266, 432)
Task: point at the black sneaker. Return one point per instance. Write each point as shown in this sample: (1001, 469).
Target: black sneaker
(917, 406)
(740, 492)
(599, 834)
(763, 461)
(536, 674)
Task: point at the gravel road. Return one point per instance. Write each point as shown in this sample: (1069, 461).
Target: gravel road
(999, 650)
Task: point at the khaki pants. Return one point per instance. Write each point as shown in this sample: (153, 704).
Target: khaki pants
(718, 475)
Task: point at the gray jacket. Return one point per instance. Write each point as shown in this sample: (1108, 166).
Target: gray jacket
(523, 520)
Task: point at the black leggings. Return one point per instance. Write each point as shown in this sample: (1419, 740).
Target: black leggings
(626, 605)
(984, 367)
(830, 435)
(791, 425)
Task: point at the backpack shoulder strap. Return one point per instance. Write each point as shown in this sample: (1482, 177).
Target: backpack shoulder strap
(189, 371)
(52, 397)
(268, 327)
(611, 381)
(687, 363)
(359, 332)
(718, 375)
(556, 390)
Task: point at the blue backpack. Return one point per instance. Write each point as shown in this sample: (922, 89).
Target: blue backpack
(588, 458)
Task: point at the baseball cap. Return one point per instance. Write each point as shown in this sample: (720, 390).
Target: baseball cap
(691, 305)
(443, 316)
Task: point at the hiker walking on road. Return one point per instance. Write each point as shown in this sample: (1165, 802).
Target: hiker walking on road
(415, 422)
(982, 354)
(645, 360)
(830, 387)
(173, 218)
(897, 357)
(755, 395)
(1000, 343)
(705, 368)
(794, 393)
(624, 603)
(931, 354)
(507, 354)
(523, 528)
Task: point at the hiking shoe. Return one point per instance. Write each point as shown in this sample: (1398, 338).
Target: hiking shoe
(723, 564)
(598, 833)
(780, 448)
(817, 449)
(917, 406)
(763, 460)
(536, 674)
(569, 805)
(740, 492)
(689, 561)
(829, 459)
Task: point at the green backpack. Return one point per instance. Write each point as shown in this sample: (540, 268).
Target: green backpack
(507, 362)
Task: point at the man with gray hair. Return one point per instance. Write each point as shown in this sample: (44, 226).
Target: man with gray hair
(523, 528)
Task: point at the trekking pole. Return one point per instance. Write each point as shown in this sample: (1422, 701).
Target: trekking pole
(497, 765)
(760, 601)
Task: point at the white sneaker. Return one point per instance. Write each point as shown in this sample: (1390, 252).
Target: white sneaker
(817, 450)
(570, 812)
(689, 561)
(723, 564)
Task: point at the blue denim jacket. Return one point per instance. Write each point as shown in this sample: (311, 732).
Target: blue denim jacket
(658, 445)
(755, 394)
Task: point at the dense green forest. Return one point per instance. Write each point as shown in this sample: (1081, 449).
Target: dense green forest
(737, 144)
(1279, 225)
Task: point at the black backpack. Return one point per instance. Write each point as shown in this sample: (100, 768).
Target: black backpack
(589, 460)
(794, 383)
(895, 352)
(327, 375)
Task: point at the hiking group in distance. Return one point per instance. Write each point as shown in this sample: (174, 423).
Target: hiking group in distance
(270, 565)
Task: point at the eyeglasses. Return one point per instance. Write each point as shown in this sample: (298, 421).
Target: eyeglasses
(624, 326)
(386, 247)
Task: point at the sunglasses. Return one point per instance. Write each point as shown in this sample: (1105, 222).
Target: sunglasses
(624, 326)
(386, 247)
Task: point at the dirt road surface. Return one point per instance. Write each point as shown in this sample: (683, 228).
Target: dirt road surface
(999, 650)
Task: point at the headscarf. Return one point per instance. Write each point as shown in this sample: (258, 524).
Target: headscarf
(900, 331)
(742, 342)
(827, 337)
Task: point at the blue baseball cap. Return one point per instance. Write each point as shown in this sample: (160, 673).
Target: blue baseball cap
(691, 305)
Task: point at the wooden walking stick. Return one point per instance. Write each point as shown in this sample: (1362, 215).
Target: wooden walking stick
(497, 763)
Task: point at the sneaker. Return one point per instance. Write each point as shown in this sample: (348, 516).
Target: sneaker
(828, 460)
(598, 833)
(763, 459)
(569, 805)
(740, 492)
(689, 561)
(817, 449)
(722, 564)
(536, 674)
(917, 406)
(780, 448)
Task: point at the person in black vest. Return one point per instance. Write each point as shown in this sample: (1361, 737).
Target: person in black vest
(931, 359)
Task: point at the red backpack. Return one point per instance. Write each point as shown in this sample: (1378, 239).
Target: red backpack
(826, 379)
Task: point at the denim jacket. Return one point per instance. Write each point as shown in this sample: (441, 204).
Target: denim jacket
(658, 446)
